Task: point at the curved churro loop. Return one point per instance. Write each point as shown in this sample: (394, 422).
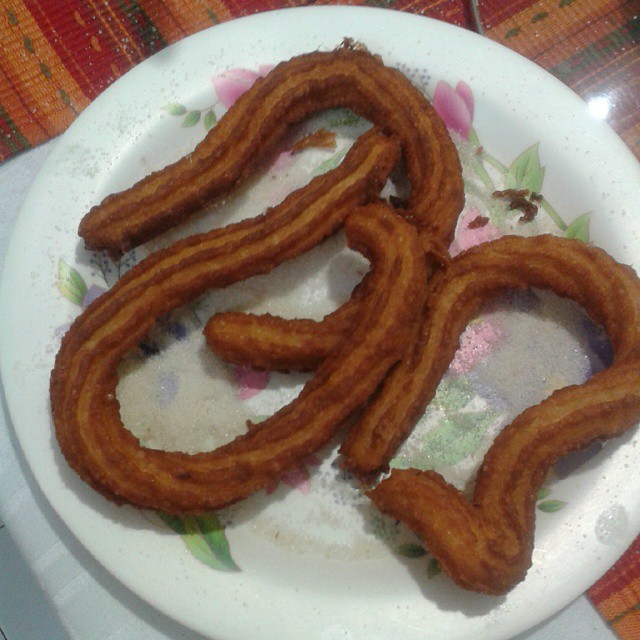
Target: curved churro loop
(486, 544)
(83, 383)
(171, 277)
(348, 77)
(274, 344)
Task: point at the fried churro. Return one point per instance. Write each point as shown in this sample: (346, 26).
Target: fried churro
(307, 84)
(83, 383)
(485, 544)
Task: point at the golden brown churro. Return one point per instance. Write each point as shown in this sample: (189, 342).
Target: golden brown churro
(83, 384)
(437, 196)
(272, 343)
(485, 544)
(347, 77)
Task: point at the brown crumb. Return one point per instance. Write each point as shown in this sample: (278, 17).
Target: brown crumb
(521, 200)
(478, 222)
(529, 210)
(353, 45)
(436, 254)
(510, 194)
(320, 138)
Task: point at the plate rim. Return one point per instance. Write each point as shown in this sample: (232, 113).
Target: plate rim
(87, 116)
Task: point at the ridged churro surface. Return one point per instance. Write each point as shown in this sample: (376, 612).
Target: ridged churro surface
(86, 411)
(83, 382)
(347, 77)
(486, 544)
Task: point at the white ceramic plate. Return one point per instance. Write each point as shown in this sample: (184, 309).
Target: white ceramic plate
(297, 587)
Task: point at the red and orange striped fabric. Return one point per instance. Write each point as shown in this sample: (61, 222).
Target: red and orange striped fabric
(593, 46)
(56, 57)
(617, 594)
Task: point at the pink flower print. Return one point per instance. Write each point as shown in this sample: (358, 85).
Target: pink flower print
(455, 106)
(476, 343)
(250, 381)
(231, 84)
(299, 478)
(473, 229)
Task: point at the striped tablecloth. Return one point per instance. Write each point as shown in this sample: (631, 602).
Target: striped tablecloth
(56, 57)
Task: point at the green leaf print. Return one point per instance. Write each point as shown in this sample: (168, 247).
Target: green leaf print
(456, 437)
(543, 493)
(175, 522)
(525, 171)
(548, 506)
(205, 538)
(344, 118)
(330, 163)
(551, 506)
(453, 395)
(192, 118)
(175, 109)
(579, 228)
(210, 120)
(70, 283)
(411, 550)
